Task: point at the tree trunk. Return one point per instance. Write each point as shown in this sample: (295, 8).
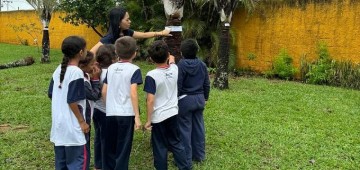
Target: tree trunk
(45, 46)
(221, 76)
(22, 62)
(174, 41)
(45, 18)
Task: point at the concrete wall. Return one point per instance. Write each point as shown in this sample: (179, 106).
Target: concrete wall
(29, 22)
(298, 30)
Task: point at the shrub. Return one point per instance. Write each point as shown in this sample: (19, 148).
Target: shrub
(319, 71)
(330, 72)
(283, 66)
(304, 68)
(344, 74)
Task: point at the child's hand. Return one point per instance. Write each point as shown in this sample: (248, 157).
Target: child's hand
(137, 123)
(84, 127)
(171, 59)
(95, 73)
(148, 126)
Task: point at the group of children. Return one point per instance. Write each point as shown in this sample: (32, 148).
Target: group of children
(103, 87)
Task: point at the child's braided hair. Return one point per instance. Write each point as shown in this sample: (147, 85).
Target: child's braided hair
(71, 46)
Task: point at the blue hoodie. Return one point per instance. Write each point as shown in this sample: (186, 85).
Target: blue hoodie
(193, 78)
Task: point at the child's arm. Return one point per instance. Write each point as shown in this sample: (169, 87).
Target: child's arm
(83, 125)
(135, 104)
(103, 92)
(206, 85)
(50, 90)
(150, 98)
(93, 91)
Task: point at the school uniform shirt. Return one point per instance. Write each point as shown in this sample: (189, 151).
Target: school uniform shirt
(99, 104)
(119, 78)
(110, 38)
(162, 82)
(65, 128)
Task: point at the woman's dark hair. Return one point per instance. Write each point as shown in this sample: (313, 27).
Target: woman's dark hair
(189, 48)
(70, 46)
(115, 17)
(159, 51)
(87, 60)
(105, 55)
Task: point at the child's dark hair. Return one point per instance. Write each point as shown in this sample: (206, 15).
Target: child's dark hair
(70, 46)
(159, 51)
(125, 47)
(105, 55)
(189, 48)
(87, 60)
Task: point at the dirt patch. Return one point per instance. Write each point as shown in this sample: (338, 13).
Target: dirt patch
(4, 128)
(18, 128)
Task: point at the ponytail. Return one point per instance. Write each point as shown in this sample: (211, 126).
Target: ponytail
(64, 65)
(70, 47)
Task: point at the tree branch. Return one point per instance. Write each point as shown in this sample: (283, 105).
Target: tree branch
(97, 32)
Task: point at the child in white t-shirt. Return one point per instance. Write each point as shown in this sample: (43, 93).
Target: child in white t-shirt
(67, 93)
(162, 109)
(122, 108)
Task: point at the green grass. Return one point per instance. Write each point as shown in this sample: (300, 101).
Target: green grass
(9, 52)
(256, 124)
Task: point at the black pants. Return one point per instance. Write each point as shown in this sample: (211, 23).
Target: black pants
(118, 142)
(164, 137)
(99, 119)
(191, 125)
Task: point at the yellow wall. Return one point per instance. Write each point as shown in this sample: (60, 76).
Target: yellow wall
(58, 30)
(298, 30)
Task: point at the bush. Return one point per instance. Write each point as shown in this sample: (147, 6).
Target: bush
(319, 71)
(330, 72)
(282, 66)
(344, 74)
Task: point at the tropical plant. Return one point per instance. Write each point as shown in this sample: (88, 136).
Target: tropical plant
(174, 10)
(226, 9)
(44, 8)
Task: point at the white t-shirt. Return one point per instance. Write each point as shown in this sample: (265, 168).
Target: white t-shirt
(65, 128)
(162, 82)
(119, 78)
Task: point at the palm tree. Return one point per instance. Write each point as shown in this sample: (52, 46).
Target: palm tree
(174, 12)
(44, 8)
(226, 9)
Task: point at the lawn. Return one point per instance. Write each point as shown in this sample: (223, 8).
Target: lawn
(256, 124)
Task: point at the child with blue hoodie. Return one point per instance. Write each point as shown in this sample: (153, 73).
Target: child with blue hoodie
(193, 92)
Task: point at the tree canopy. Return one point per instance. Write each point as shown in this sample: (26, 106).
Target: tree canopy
(93, 13)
